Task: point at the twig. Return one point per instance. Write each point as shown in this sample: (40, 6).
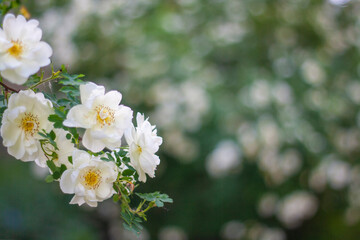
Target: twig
(8, 88)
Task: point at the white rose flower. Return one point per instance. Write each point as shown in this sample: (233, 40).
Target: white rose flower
(21, 51)
(65, 148)
(26, 115)
(90, 179)
(143, 144)
(101, 115)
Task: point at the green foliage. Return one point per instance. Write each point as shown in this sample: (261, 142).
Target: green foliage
(48, 138)
(156, 197)
(131, 221)
(7, 5)
(2, 110)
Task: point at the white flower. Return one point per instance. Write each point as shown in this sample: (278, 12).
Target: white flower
(91, 179)
(21, 51)
(226, 158)
(102, 116)
(143, 144)
(65, 148)
(26, 115)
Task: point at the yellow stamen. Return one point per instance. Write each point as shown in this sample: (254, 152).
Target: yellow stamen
(104, 115)
(139, 149)
(30, 124)
(92, 179)
(16, 49)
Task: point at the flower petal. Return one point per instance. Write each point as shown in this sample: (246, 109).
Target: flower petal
(89, 91)
(17, 150)
(10, 134)
(104, 190)
(12, 76)
(79, 116)
(66, 183)
(91, 143)
(77, 200)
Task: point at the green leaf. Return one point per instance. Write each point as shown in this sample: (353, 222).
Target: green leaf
(131, 221)
(62, 168)
(111, 158)
(2, 110)
(49, 179)
(127, 172)
(116, 198)
(33, 79)
(52, 166)
(156, 197)
(56, 175)
(159, 203)
(73, 80)
(52, 135)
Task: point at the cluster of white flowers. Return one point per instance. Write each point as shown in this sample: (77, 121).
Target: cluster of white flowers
(21, 51)
(26, 122)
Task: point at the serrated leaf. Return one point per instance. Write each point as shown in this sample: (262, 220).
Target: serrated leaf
(159, 203)
(73, 80)
(157, 197)
(70, 89)
(111, 158)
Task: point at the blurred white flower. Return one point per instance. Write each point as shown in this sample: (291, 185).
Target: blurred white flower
(259, 94)
(225, 158)
(313, 73)
(339, 2)
(296, 208)
(143, 144)
(26, 115)
(184, 105)
(178, 144)
(101, 115)
(233, 230)
(272, 234)
(21, 51)
(333, 171)
(267, 205)
(247, 136)
(90, 179)
(279, 166)
(172, 233)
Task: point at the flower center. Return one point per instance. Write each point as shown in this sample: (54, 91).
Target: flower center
(104, 115)
(30, 124)
(139, 149)
(16, 49)
(92, 178)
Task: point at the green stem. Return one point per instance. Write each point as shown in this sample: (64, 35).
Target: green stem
(53, 77)
(45, 153)
(140, 206)
(151, 205)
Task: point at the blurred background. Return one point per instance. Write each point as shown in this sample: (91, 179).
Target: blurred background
(257, 102)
